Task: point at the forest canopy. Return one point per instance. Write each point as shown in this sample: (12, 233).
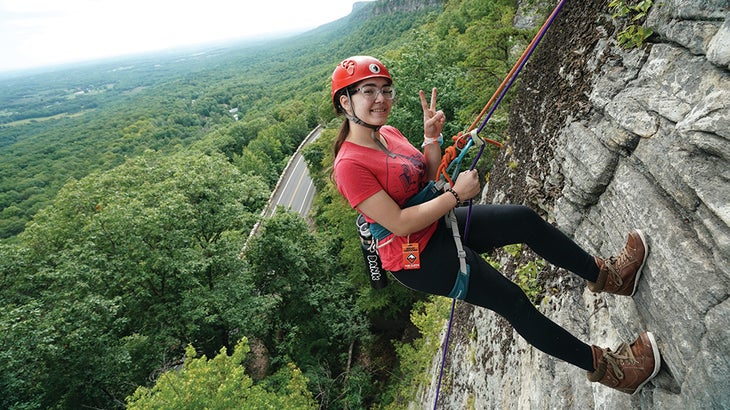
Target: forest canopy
(128, 188)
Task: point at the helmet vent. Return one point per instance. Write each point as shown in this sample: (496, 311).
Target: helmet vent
(349, 66)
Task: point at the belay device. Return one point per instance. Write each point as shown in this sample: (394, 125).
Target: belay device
(373, 264)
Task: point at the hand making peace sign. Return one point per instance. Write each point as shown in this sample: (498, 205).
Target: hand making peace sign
(433, 121)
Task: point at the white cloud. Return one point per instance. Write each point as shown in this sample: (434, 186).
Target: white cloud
(45, 32)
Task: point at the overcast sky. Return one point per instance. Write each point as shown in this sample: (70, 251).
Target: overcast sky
(37, 33)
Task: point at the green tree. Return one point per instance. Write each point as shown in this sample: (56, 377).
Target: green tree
(122, 271)
(269, 143)
(489, 47)
(221, 383)
(420, 65)
(260, 164)
(317, 322)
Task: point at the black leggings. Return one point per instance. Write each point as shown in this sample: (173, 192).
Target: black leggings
(493, 226)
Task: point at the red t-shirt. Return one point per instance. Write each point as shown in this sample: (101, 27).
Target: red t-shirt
(361, 172)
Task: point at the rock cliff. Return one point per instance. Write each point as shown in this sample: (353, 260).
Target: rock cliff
(603, 140)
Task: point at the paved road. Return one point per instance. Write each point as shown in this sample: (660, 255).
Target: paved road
(295, 190)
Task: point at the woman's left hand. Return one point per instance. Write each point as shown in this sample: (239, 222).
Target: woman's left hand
(433, 121)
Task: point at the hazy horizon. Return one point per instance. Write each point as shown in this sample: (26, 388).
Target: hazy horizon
(46, 34)
(174, 51)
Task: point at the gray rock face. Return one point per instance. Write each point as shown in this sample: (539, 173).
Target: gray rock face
(637, 138)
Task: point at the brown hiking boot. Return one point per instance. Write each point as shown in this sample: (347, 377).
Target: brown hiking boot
(620, 274)
(630, 367)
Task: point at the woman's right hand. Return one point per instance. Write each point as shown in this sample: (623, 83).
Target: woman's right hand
(467, 185)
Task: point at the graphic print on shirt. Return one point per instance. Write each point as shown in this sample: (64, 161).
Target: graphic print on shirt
(408, 169)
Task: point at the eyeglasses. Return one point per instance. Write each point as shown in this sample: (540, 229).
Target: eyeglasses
(370, 92)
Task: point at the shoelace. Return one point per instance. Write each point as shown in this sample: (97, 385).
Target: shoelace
(612, 265)
(623, 352)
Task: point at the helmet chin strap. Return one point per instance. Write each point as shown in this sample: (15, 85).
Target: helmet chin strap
(373, 128)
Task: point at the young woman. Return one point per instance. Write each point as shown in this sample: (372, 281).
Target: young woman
(377, 170)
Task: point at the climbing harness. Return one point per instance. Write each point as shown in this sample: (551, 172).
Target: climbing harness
(450, 163)
(491, 106)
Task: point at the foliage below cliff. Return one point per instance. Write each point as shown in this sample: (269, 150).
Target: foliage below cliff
(129, 188)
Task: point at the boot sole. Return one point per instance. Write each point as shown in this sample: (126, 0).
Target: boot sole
(657, 361)
(643, 262)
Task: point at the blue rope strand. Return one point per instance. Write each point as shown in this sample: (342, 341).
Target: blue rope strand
(540, 35)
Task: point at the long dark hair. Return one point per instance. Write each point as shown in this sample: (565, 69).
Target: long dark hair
(344, 131)
(345, 127)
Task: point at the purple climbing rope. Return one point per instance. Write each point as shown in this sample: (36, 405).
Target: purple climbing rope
(538, 37)
(512, 79)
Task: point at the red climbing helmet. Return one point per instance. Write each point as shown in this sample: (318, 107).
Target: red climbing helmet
(356, 69)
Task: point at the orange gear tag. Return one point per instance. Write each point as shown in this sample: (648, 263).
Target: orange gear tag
(411, 256)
